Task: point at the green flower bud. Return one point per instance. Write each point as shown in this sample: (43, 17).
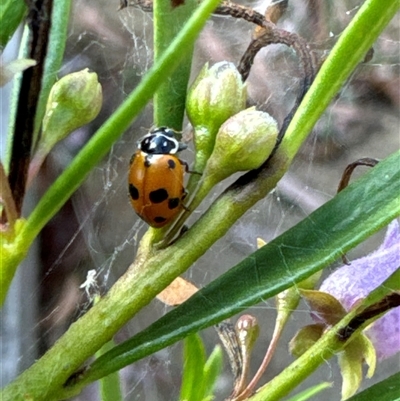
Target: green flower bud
(217, 94)
(247, 330)
(243, 143)
(74, 101)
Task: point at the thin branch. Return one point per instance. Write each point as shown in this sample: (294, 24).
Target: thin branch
(39, 23)
(366, 161)
(7, 200)
(344, 181)
(391, 301)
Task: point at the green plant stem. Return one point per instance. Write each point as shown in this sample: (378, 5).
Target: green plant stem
(170, 98)
(7, 199)
(101, 142)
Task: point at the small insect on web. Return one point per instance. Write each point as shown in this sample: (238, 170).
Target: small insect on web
(90, 284)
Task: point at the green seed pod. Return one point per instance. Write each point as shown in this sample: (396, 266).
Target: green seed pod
(74, 100)
(217, 94)
(243, 143)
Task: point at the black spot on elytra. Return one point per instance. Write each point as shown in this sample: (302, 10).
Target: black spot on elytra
(171, 164)
(159, 219)
(132, 159)
(133, 192)
(158, 196)
(173, 203)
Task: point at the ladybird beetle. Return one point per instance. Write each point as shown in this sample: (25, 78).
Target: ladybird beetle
(156, 177)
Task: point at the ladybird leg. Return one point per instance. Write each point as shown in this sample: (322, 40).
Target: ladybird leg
(181, 232)
(187, 167)
(184, 194)
(183, 229)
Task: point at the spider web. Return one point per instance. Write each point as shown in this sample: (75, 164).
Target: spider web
(98, 232)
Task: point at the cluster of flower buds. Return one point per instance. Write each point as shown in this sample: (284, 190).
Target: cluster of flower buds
(228, 138)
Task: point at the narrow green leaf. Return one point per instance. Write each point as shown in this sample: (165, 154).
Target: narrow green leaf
(11, 14)
(194, 359)
(110, 386)
(386, 390)
(212, 370)
(310, 392)
(353, 215)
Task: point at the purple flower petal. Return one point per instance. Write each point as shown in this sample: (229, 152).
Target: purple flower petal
(351, 283)
(385, 334)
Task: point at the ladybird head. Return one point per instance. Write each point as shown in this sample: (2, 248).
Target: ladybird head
(161, 141)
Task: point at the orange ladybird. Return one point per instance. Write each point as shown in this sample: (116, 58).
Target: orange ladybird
(156, 177)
